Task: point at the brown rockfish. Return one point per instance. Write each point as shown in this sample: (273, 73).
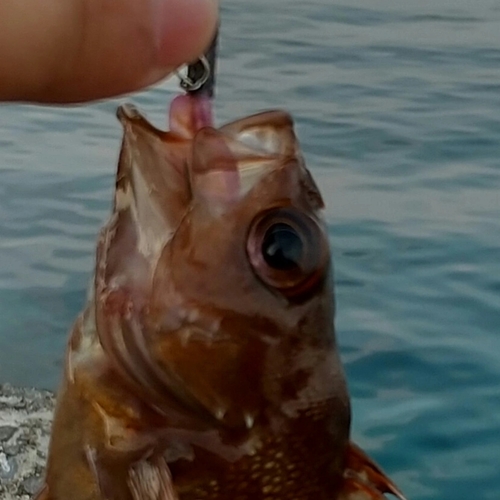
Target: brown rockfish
(205, 364)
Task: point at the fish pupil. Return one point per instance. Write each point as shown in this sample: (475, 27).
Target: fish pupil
(282, 247)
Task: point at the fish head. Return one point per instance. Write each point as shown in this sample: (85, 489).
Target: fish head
(213, 277)
(213, 295)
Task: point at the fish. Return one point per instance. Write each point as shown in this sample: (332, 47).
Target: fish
(205, 364)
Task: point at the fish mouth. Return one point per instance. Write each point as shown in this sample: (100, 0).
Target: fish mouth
(363, 479)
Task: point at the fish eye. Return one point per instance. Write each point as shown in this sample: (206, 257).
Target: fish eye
(282, 247)
(287, 249)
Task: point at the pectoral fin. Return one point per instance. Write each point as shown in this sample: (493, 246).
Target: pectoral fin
(364, 479)
(151, 480)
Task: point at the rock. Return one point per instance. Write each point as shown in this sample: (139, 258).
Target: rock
(25, 419)
(6, 432)
(8, 467)
(32, 484)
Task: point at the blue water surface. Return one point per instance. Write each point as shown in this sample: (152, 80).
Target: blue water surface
(397, 105)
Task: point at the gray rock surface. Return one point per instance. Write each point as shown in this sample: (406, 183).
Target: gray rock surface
(25, 419)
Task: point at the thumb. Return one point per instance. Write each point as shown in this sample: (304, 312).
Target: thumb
(79, 50)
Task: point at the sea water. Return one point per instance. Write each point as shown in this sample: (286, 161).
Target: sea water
(397, 106)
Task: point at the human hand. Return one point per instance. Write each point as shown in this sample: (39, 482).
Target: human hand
(61, 51)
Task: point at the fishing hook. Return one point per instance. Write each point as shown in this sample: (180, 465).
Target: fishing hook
(200, 76)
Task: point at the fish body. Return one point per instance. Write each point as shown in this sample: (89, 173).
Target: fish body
(205, 365)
